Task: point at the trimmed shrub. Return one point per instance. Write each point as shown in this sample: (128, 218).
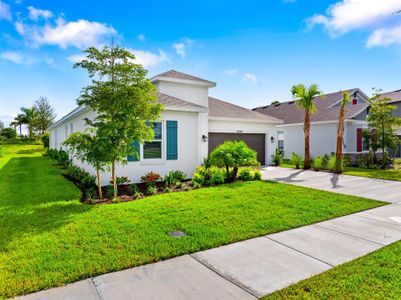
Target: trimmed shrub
(331, 165)
(277, 157)
(173, 177)
(207, 177)
(245, 174)
(257, 175)
(296, 160)
(318, 163)
(217, 176)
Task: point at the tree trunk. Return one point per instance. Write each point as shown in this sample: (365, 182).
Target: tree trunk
(340, 136)
(234, 174)
(228, 173)
(307, 164)
(113, 174)
(99, 185)
(20, 131)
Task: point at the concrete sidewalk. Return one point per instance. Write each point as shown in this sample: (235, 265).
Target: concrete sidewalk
(378, 189)
(259, 266)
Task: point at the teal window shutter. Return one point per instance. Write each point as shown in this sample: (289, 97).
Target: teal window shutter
(172, 140)
(138, 149)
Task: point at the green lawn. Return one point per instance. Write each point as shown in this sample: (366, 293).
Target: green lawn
(375, 276)
(393, 174)
(49, 238)
(9, 151)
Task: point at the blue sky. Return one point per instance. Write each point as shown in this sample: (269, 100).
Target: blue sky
(254, 50)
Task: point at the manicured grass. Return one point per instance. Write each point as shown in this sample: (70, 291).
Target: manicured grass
(49, 238)
(375, 276)
(9, 151)
(392, 174)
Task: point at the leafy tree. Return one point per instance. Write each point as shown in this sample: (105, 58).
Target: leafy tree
(304, 98)
(27, 117)
(123, 98)
(1, 125)
(44, 115)
(8, 133)
(370, 139)
(381, 120)
(232, 154)
(18, 122)
(89, 148)
(275, 102)
(340, 132)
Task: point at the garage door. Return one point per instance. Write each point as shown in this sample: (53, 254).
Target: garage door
(255, 141)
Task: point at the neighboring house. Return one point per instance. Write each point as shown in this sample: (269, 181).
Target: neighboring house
(395, 97)
(191, 125)
(323, 124)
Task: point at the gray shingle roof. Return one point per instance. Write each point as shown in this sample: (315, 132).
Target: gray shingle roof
(222, 109)
(395, 96)
(291, 114)
(171, 101)
(179, 75)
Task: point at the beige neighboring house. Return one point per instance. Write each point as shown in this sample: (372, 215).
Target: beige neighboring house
(191, 125)
(323, 124)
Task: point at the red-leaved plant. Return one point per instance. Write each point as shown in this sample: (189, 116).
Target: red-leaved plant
(151, 178)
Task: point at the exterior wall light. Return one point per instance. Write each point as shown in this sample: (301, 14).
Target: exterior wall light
(272, 139)
(204, 138)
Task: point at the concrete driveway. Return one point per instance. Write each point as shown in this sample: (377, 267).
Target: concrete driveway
(378, 189)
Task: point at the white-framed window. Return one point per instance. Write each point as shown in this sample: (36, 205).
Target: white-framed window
(280, 145)
(154, 149)
(280, 139)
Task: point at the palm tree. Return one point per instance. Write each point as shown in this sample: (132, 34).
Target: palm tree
(340, 132)
(18, 122)
(305, 100)
(27, 117)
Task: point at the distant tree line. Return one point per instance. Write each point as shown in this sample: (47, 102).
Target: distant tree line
(37, 118)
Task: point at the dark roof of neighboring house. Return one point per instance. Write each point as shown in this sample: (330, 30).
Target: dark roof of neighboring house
(395, 96)
(222, 109)
(176, 102)
(326, 111)
(179, 75)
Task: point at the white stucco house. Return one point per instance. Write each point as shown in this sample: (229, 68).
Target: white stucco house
(191, 125)
(323, 124)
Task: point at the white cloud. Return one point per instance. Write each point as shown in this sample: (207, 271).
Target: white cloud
(149, 59)
(5, 11)
(141, 37)
(347, 15)
(384, 37)
(231, 72)
(80, 34)
(180, 49)
(12, 56)
(251, 78)
(36, 13)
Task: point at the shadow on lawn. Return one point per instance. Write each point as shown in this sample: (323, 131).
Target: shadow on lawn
(35, 198)
(29, 151)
